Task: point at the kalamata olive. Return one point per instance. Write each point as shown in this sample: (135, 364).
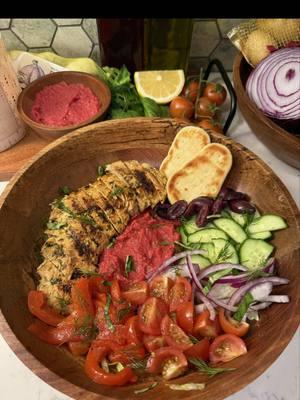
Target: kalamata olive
(177, 209)
(161, 210)
(201, 219)
(218, 206)
(223, 192)
(234, 195)
(241, 207)
(196, 204)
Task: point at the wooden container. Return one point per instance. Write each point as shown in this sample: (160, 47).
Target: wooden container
(283, 144)
(27, 97)
(72, 160)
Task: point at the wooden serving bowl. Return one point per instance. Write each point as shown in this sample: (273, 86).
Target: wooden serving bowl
(27, 96)
(283, 144)
(72, 160)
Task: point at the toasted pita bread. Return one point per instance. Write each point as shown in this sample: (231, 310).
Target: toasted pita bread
(202, 176)
(187, 144)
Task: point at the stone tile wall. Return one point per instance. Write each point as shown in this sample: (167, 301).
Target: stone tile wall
(79, 38)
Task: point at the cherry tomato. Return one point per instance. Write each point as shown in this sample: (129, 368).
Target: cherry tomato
(229, 325)
(37, 304)
(215, 92)
(180, 293)
(190, 91)
(136, 293)
(134, 333)
(210, 124)
(226, 347)
(150, 315)
(154, 342)
(204, 326)
(185, 316)
(79, 348)
(115, 290)
(174, 335)
(205, 108)
(95, 355)
(160, 287)
(126, 354)
(169, 361)
(199, 350)
(181, 107)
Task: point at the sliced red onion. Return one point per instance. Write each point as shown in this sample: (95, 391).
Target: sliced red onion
(274, 84)
(260, 306)
(199, 308)
(172, 260)
(220, 267)
(216, 301)
(202, 297)
(270, 266)
(277, 299)
(221, 291)
(261, 290)
(241, 278)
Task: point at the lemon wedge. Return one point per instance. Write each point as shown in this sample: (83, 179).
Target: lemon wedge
(161, 86)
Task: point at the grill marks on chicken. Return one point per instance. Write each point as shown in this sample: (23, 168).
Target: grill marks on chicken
(83, 223)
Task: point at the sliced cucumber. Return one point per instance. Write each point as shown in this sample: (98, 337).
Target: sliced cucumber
(241, 219)
(225, 213)
(220, 251)
(232, 229)
(206, 235)
(184, 237)
(261, 235)
(202, 261)
(254, 253)
(209, 249)
(268, 222)
(190, 226)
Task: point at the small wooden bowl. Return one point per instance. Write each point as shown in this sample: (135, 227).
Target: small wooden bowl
(27, 97)
(72, 161)
(283, 144)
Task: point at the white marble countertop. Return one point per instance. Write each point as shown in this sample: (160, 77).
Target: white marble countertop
(280, 382)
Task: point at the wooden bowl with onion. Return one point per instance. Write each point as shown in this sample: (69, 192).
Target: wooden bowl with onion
(283, 144)
(73, 160)
(26, 100)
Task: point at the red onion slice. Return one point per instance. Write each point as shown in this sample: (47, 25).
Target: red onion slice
(220, 267)
(260, 306)
(277, 299)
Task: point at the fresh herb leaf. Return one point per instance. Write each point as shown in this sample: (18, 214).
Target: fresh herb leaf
(81, 217)
(193, 339)
(116, 191)
(86, 328)
(109, 323)
(223, 254)
(111, 244)
(123, 312)
(165, 243)
(64, 190)
(243, 307)
(185, 246)
(144, 390)
(63, 304)
(202, 366)
(107, 283)
(138, 364)
(55, 225)
(101, 169)
(54, 281)
(129, 265)
(151, 108)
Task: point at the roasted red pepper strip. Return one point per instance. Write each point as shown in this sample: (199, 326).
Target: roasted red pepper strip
(95, 355)
(37, 304)
(54, 335)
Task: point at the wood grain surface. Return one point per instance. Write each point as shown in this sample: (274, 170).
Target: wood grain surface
(283, 144)
(72, 161)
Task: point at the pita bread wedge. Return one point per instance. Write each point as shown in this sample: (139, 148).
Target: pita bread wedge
(202, 176)
(187, 144)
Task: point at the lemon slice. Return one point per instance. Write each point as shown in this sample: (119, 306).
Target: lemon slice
(161, 86)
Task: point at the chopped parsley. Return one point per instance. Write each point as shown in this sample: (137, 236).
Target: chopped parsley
(55, 225)
(109, 323)
(243, 307)
(129, 265)
(64, 190)
(54, 281)
(123, 312)
(117, 191)
(111, 243)
(101, 170)
(165, 243)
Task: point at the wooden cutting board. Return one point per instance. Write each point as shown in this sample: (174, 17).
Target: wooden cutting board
(13, 159)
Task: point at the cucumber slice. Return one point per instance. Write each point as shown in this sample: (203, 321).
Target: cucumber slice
(225, 213)
(232, 229)
(203, 262)
(190, 226)
(206, 235)
(220, 251)
(254, 253)
(268, 222)
(241, 219)
(209, 248)
(261, 235)
(183, 235)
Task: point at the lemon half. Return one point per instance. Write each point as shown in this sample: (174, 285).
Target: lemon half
(161, 86)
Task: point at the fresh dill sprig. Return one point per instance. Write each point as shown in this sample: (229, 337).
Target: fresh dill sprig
(202, 366)
(152, 386)
(109, 323)
(223, 254)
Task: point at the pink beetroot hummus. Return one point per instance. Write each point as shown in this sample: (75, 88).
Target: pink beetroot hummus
(64, 104)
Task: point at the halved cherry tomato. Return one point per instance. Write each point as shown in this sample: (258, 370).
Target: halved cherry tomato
(185, 316)
(204, 326)
(229, 325)
(215, 92)
(127, 354)
(160, 287)
(150, 315)
(136, 293)
(134, 333)
(96, 285)
(115, 290)
(205, 108)
(226, 347)
(191, 90)
(210, 124)
(37, 304)
(79, 348)
(181, 107)
(95, 355)
(54, 335)
(180, 293)
(199, 350)
(154, 342)
(169, 361)
(174, 335)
